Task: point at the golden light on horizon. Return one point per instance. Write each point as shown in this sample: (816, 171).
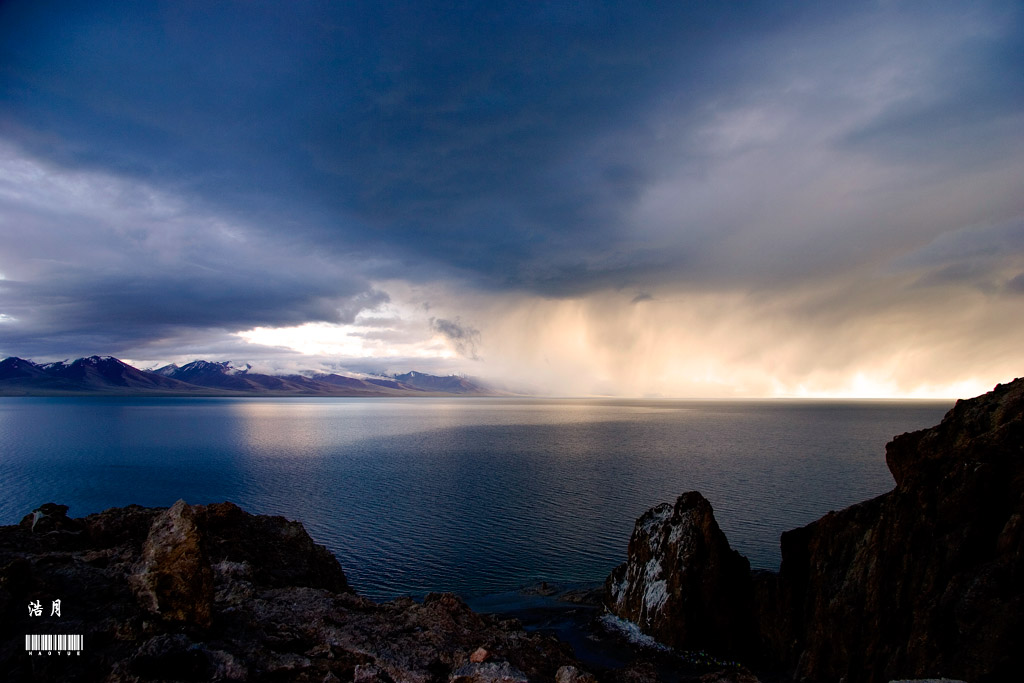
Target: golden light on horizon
(342, 341)
(698, 346)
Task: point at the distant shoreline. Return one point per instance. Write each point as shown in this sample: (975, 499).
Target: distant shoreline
(106, 375)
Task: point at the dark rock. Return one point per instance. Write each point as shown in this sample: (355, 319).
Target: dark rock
(488, 672)
(570, 674)
(49, 517)
(731, 676)
(638, 672)
(170, 656)
(922, 582)
(682, 583)
(285, 555)
(583, 596)
(236, 597)
(542, 588)
(122, 528)
(368, 673)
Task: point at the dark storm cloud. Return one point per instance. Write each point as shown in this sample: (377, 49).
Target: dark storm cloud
(232, 300)
(983, 257)
(82, 313)
(96, 264)
(221, 166)
(479, 138)
(961, 107)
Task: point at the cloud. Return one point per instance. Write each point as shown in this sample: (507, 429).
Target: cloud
(99, 264)
(508, 144)
(761, 177)
(463, 338)
(1016, 284)
(886, 338)
(985, 257)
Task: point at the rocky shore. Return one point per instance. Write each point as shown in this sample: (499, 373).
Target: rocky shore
(196, 593)
(925, 581)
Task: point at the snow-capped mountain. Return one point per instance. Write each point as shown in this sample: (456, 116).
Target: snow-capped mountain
(83, 375)
(108, 375)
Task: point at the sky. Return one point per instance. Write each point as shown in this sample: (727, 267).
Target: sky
(680, 199)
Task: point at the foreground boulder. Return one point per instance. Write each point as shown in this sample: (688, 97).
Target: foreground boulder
(682, 583)
(175, 580)
(197, 593)
(926, 581)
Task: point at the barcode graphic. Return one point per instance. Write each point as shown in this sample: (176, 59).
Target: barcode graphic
(53, 642)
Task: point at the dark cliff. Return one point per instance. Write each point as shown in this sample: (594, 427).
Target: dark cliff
(926, 580)
(197, 593)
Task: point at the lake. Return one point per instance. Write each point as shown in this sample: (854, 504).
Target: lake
(472, 495)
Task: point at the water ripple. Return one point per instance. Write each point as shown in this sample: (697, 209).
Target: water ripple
(470, 496)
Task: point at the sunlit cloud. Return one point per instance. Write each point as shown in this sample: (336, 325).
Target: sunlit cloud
(393, 330)
(345, 342)
(789, 344)
(823, 200)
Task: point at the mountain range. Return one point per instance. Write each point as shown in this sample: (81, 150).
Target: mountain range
(108, 375)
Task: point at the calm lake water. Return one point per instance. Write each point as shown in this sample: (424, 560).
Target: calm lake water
(476, 496)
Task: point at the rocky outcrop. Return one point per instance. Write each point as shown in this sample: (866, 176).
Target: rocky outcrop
(174, 580)
(682, 583)
(196, 593)
(926, 581)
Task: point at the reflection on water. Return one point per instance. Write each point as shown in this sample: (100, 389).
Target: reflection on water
(471, 495)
